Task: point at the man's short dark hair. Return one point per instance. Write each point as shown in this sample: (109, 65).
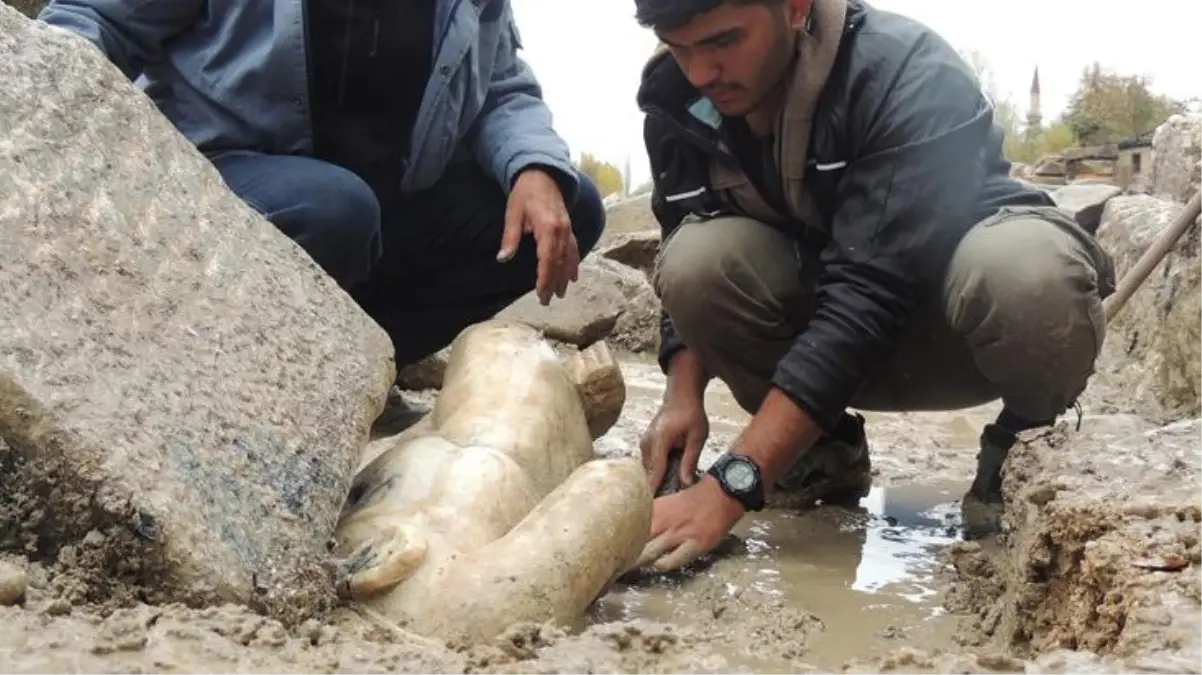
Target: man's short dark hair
(667, 15)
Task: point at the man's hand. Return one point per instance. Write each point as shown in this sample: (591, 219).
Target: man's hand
(693, 521)
(536, 206)
(687, 524)
(680, 423)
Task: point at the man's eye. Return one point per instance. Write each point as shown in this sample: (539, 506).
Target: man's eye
(723, 42)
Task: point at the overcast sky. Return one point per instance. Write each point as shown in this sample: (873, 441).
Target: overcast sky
(588, 54)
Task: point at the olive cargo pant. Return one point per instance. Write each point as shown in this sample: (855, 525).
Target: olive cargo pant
(1019, 318)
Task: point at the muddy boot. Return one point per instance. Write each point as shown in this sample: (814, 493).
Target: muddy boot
(981, 508)
(836, 470)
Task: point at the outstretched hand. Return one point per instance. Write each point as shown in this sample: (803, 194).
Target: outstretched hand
(687, 524)
(536, 207)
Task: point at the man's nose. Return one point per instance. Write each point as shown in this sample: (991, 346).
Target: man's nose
(702, 70)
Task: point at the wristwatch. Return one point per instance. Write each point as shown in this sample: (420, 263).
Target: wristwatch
(739, 478)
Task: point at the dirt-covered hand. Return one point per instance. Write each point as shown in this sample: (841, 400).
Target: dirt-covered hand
(688, 524)
(677, 424)
(536, 207)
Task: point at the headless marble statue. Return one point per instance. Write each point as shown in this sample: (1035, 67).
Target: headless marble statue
(492, 509)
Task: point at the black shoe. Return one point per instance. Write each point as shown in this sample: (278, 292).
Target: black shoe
(836, 470)
(981, 508)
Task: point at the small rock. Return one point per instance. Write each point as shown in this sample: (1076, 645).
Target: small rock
(637, 250)
(585, 315)
(12, 584)
(1086, 202)
(58, 607)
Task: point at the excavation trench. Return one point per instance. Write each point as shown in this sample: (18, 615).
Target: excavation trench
(819, 587)
(1104, 559)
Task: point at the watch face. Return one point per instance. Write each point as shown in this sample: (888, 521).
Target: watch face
(739, 475)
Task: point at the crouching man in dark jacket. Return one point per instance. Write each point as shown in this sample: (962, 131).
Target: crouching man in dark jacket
(403, 144)
(840, 230)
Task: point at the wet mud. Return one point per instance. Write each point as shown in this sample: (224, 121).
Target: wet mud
(868, 579)
(1081, 581)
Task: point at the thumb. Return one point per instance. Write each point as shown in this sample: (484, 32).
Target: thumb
(512, 235)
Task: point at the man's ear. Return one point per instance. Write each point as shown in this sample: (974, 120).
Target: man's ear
(799, 12)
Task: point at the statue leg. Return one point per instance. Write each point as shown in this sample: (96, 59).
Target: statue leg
(554, 563)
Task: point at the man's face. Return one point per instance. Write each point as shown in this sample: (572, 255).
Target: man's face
(737, 53)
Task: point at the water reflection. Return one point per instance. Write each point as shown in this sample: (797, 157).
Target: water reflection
(904, 529)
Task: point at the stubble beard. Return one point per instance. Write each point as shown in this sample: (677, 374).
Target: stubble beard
(784, 53)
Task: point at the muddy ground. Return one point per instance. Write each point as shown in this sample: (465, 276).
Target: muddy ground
(885, 587)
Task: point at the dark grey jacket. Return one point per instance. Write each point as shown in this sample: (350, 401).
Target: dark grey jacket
(904, 158)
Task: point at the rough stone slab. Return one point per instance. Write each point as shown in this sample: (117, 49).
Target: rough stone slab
(1152, 347)
(637, 250)
(1085, 202)
(1177, 157)
(175, 374)
(1102, 551)
(632, 214)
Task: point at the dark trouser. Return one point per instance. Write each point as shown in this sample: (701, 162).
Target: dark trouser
(1019, 316)
(422, 265)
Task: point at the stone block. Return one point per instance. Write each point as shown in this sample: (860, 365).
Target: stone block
(175, 374)
(1177, 152)
(1102, 548)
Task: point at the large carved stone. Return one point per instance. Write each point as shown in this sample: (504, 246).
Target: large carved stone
(1151, 352)
(175, 374)
(493, 510)
(1177, 149)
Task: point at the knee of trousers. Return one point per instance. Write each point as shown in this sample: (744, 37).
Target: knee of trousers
(727, 279)
(338, 223)
(1025, 292)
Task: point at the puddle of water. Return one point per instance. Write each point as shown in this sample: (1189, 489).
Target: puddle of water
(870, 574)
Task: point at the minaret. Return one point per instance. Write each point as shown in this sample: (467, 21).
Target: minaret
(1034, 110)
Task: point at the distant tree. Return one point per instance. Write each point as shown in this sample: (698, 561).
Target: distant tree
(1051, 140)
(1109, 107)
(606, 176)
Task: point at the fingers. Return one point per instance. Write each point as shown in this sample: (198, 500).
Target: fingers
(653, 551)
(567, 272)
(574, 256)
(554, 267)
(682, 555)
(663, 554)
(547, 246)
(692, 456)
(557, 250)
(512, 234)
